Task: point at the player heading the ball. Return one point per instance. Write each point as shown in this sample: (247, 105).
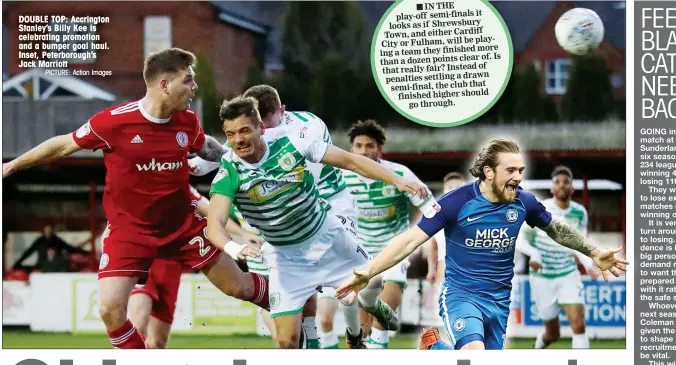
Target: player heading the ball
(307, 246)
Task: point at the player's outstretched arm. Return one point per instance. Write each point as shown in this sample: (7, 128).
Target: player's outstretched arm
(231, 227)
(605, 259)
(234, 229)
(401, 247)
(211, 150)
(366, 167)
(219, 208)
(52, 149)
(432, 262)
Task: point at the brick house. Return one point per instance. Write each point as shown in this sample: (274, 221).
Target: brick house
(223, 32)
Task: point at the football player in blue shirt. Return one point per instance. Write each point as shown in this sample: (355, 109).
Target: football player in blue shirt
(481, 221)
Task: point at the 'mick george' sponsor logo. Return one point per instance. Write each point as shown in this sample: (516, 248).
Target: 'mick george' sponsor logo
(492, 238)
(160, 166)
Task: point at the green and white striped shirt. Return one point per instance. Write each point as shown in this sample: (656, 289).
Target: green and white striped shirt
(255, 264)
(329, 179)
(277, 195)
(383, 210)
(556, 260)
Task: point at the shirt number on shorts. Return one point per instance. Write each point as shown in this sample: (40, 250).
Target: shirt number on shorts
(361, 251)
(202, 244)
(351, 229)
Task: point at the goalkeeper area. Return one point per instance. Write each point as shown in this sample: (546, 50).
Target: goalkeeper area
(25, 339)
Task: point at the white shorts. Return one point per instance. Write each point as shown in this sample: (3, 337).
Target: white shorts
(297, 271)
(397, 273)
(327, 293)
(549, 294)
(256, 265)
(344, 207)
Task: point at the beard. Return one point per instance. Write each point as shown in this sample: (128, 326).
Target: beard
(505, 193)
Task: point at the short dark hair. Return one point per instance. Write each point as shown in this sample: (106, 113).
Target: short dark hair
(369, 128)
(267, 97)
(167, 61)
(489, 156)
(562, 170)
(240, 106)
(453, 176)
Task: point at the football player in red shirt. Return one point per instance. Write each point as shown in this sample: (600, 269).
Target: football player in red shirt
(145, 145)
(152, 304)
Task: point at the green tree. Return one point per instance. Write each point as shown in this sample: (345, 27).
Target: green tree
(503, 110)
(589, 91)
(208, 94)
(311, 30)
(332, 93)
(528, 104)
(550, 111)
(620, 109)
(342, 95)
(254, 76)
(372, 105)
(327, 65)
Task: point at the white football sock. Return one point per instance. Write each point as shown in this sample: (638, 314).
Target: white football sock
(369, 295)
(580, 341)
(379, 339)
(328, 339)
(540, 342)
(310, 328)
(351, 313)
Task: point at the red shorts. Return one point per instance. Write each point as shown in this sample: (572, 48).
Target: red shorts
(192, 250)
(162, 286)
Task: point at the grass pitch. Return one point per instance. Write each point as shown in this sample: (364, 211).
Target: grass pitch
(23, 339)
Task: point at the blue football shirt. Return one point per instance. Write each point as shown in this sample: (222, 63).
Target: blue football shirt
(481, 238)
